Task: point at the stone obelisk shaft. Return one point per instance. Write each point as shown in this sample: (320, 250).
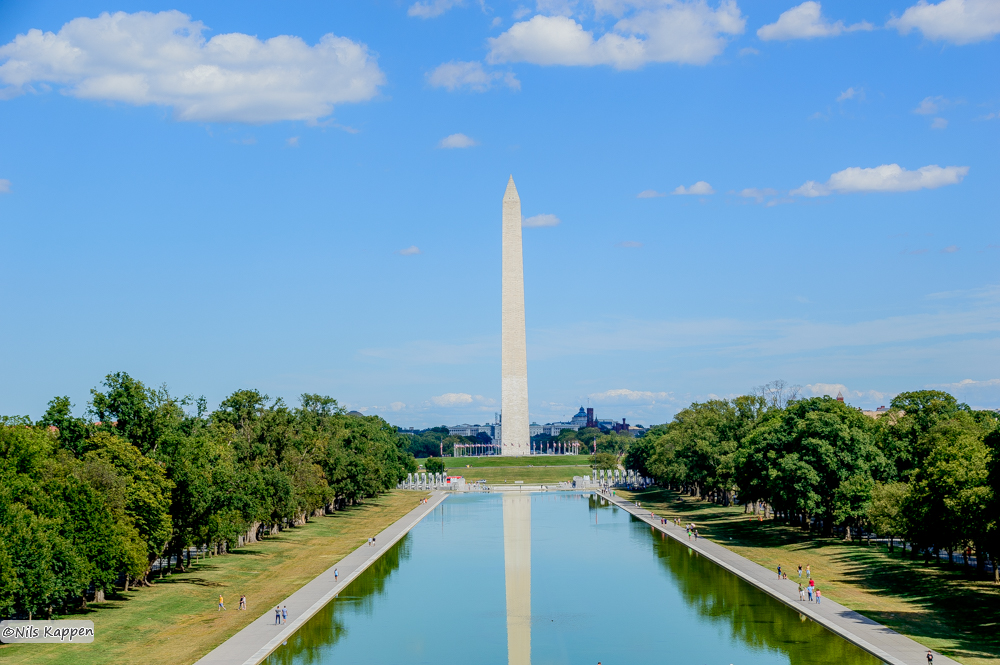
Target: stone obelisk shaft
(515, 438)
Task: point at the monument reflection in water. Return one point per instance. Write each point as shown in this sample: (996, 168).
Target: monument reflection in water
(517, 576)
(459, 588)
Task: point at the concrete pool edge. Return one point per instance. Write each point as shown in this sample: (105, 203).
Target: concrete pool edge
(880, 641)
(259, 639)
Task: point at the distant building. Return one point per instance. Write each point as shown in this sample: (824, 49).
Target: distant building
(877, 413)
(590, 418)
(473, 430)
(534, 429)
(580, 419)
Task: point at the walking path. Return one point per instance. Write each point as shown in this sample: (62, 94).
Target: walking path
(873, 637)
(255, 642)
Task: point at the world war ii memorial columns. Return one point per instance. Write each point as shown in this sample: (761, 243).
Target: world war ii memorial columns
(515, 438)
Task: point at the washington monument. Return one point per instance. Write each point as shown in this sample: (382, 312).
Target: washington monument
(515, 438)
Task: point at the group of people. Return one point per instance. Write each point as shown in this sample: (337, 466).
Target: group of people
(222, 603)
(808, 592)
(280, 614)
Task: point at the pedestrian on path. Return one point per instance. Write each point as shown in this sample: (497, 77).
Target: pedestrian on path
(819, 596)
(812, 583)
(930, 658)
(373, 541)
(335, 575)
(277, 615)
(779, 571)
(802, 592)
(809, 590)
(222, 605)
(696, 536)
(284, 614)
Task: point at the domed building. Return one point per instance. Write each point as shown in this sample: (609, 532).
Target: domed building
(580, 419)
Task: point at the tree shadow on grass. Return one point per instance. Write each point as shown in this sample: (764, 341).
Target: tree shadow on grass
(950, 605)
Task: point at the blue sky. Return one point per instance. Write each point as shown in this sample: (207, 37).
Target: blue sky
(305, 197)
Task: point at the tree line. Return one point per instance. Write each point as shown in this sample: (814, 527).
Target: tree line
(926, 471)
(88, 503)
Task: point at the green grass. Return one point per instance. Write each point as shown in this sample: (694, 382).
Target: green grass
(531, 460)
(177, 621)
(545, 475)
(943, 607)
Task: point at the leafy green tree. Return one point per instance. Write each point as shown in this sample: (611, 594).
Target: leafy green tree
(604, 462)
(434, 465)
(820, 459)
(885, 513)
(72, 431)
(949, 492)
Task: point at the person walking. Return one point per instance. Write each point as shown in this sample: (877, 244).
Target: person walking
(819, 596)
(800, 571)
(809, 590)
(930, 658)
(808, 571)
(284, 614)
(779, 571)
(335, 575)
(277, 615)
(222, 605)
(802, 592)
(243, 602)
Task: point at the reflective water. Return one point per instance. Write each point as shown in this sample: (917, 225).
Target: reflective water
(573, 581)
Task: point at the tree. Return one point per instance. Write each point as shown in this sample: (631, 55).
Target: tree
(604, 462)
(949, 494)
(820, 459)
(434, 465)
(885, 513)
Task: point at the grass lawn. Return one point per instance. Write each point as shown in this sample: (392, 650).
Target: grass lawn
(939, 606)
(531, 460)
(545, 475)
(177, 621)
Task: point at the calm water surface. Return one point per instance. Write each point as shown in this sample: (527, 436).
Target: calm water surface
(603, 587)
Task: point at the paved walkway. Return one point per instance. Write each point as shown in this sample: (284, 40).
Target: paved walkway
(255, 642)
(873, 637)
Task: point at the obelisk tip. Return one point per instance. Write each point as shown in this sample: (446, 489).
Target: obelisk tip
(511, 189)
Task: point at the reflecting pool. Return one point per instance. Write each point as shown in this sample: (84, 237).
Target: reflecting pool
(554, 578)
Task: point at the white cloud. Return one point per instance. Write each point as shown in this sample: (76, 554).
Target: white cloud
(649, 194)
(4, 186)
(950, 249)
(681, 32)
(939, 123)
(699, 188)
(397, 406)
(540, 220)
(619, 395)
(805, 22)
(496, 22)
(630, 244)
(164, 59)
(293, 142)
(884, 178)
(452, 399)
(851, 93)
(457, 74)
(930, 105)
(955, 21)
(967, 383)
(831, 389)
(432, 8)
(748, 51)
(758, 194)
(410, 251)
(457, 141)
